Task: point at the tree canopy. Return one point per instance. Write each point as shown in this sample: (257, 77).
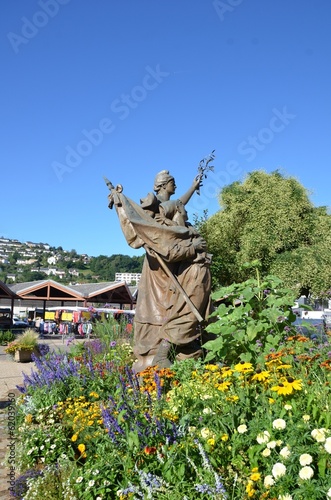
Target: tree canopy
(270, 218)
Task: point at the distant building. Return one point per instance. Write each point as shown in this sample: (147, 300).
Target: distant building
(128, 277)
(52, 260)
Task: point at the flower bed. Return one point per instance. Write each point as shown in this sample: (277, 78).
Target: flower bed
(260, 428)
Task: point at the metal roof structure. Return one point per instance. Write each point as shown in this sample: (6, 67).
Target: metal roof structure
(108, 292)
(45, 290)
(52, 291)
(6, 292)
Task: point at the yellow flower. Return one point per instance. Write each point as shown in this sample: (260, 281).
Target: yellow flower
(226, 372)
(295, 384)
(283, 367)
(256, 476)
(282, 389)
(74, 437)
(261, 376)
(244, 367)
(224, 386)
(225, 437)
(287, 386)
(28, 418)
(249, 488)
(212, 368)
(211, 442)
(81, 447)
(233, 399)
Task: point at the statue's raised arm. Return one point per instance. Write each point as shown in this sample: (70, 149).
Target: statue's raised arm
(165, 185)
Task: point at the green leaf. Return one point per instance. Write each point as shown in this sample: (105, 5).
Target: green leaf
(322, 466)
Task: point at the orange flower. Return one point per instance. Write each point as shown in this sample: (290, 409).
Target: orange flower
(149, 450)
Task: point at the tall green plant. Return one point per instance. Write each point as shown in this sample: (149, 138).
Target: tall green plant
(252, 317)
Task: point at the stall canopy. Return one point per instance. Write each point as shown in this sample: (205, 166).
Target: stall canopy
(6, 292)
(45, 290)
(116, 292)
(53, 292)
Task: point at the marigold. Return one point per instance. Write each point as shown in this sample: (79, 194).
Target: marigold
(28, 418)
(81, 447)
(242, 428)
(149, 450)
(306, 473)
(250, 488)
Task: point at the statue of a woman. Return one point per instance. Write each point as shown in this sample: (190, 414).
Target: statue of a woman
(162, 314)
(174, 289)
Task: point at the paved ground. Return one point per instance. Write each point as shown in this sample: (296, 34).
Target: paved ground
(11, 374)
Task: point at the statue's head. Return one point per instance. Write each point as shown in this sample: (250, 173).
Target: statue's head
(162, 179)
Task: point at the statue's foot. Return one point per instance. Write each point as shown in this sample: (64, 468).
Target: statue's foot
(161, 359)
(142, 362)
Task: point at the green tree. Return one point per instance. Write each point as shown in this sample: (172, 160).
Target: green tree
(270, 218)
(28, 275)
(13, 258)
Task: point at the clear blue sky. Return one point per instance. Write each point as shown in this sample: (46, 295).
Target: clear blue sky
(126, 88)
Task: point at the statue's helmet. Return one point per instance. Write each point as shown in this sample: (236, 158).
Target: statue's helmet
(162, 178)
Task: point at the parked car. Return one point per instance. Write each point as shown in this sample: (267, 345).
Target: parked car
(19, 323)
(5, 321)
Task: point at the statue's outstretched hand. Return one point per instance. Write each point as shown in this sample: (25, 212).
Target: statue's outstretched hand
(197, 183)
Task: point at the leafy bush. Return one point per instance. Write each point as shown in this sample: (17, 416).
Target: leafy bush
(6, 337)
(253, 317)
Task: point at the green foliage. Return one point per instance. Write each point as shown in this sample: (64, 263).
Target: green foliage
(101, 268)
(106, 267)
(270, 218)
(6, 336)
(252, 317)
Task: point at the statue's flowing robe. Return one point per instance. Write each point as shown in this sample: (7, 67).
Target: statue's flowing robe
(161, 310)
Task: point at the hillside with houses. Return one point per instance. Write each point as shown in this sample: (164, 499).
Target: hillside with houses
(30, 261)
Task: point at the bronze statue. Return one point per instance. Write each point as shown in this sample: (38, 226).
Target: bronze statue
(174, 290)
